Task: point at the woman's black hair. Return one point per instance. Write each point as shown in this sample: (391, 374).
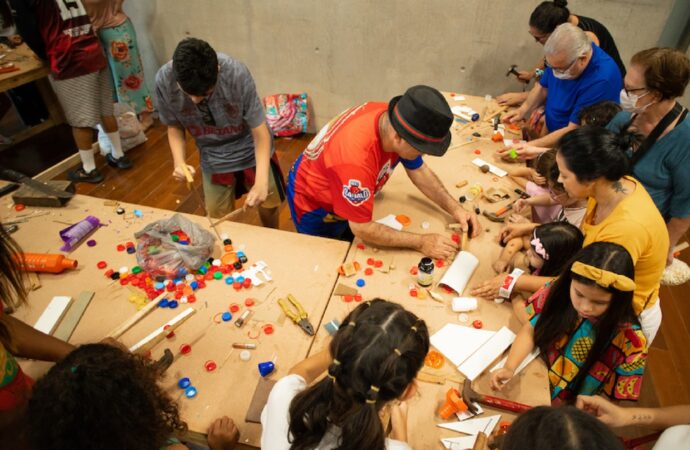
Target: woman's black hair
(376, 353)
(548, 15)
(594, 152)
(100, 396)
(13, 291)
(564, 428)
(195, 65)
(559, 317)
(561, 241)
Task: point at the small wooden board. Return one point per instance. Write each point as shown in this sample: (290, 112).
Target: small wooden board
(32, 197)
(73, 316)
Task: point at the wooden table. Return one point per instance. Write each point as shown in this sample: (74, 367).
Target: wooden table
(301, 265)
(31, 68)
(399, 196)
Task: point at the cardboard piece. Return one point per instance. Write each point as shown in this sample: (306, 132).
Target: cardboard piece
(52, 314)
(458, 342)
(259, 399)
(460, 271)
(473, 426)
(487, 353)
(73, 316)
(342, 289)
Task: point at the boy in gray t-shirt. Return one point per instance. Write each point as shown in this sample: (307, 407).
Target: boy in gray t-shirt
(213, 97)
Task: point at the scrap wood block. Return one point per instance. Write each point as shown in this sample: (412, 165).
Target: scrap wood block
(342, 289)
(32, 197)
(349, 269)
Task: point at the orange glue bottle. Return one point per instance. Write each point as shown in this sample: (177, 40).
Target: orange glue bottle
(45, 262)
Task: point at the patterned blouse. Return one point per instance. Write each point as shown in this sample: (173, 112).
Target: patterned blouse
(619, 370)
(15, 385)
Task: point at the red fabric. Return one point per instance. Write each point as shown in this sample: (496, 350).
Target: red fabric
(345, 166)
(71, 44)
(17, 392)
(243, 180)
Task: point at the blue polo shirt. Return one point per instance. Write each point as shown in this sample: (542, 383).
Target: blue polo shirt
(600, 81)
(665, 169)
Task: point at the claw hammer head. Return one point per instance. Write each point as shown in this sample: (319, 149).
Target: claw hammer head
(470, 396)
(512, 70)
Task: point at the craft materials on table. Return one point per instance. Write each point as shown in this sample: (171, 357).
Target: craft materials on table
(52, 314)
(74, 234)
(297, 314)
(493, 169)
(45, 262)
(460, 271)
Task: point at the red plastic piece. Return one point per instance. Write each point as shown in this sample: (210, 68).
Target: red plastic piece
(477, 152)
(455, 238)
(130, 244)
(370, 261)
(268, 329)
(413, 270)
(124, 281)
(109, 273)
(120, 248)
(368, 271)
(378, 264)
(477, 324)
(171, 334)
(234, 307)
(19, 207)
(191, 298)
(237, 285)
(249, 302)
(247, 282)
(413, 292)
(210, 365)
(185, 349)
(358, 297)
(440, 263)
(361, 246)
(102, 264)
(348, 298)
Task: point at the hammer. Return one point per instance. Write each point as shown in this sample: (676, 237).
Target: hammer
(499, 215)
(512, 70)
(469, 396)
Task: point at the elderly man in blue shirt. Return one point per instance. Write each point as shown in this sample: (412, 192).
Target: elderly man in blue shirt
(578, 74)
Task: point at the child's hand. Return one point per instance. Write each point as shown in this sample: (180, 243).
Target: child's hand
(501, 266)
(399, 421)
(223, 434)
(536, 178)
(521, 205)
(500, 377)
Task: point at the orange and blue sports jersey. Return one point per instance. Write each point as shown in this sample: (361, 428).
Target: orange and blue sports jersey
(337, 176)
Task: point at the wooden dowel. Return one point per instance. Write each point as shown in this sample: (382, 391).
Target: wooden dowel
(127, 324)
(159, 333)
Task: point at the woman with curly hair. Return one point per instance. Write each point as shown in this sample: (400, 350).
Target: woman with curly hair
(102, 397)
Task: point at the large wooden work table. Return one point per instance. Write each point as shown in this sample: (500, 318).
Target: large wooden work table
(301, 265)
(400, 196)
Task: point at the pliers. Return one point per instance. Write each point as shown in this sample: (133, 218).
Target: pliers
(300, 317)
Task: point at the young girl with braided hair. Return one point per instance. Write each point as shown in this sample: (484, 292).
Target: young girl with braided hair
(371, 362)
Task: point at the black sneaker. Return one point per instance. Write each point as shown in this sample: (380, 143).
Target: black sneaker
(121, 163)
(81, 176)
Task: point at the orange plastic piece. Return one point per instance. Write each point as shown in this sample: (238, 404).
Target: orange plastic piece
(45, 262)
(403, 219)
(229, 259)
(434, 359)
(453, 404)
(497, 137)
(514, 127)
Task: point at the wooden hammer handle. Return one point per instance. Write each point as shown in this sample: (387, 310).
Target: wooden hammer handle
(503, 404)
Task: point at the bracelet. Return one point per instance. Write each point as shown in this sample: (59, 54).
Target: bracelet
(509, 283)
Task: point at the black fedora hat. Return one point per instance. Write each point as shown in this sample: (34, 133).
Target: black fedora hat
(423, 119)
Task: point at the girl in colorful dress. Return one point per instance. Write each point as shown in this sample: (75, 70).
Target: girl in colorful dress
(586, 329)
(119, 41)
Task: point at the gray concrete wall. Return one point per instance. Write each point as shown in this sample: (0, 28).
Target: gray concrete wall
(349, 51)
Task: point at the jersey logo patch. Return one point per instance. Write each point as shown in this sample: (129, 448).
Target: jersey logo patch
(354, 193)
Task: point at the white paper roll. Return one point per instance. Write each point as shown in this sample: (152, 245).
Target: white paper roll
(460, 271)
(464, 304)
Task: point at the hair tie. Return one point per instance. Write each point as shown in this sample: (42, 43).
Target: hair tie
(538, 247)
(397, 351)
(413, 328)
(351, 324)
(74, 368)
(372, 394)
(334, 370)
(603, 278)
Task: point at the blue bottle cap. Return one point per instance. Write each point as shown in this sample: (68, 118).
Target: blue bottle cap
(229, 280)
(360, 282)
(164, 303)
(184, 383)
(190, 392)
(240, 279)
(172, 304)
(194, 285)
(131, 250)
(158, 285)
(266, 368)
(240, 254)
(226, 316)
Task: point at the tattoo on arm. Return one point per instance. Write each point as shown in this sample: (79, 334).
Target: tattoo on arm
(618, 187)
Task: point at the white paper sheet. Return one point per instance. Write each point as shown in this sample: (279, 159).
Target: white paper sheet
(52, 314)
(460, 271)
(458, 342)
(473, 426)
(390, 221)
(459, 443)
(487, 353)
(493, 169)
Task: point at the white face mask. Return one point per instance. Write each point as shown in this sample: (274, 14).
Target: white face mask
(629, 102)
(563, 75)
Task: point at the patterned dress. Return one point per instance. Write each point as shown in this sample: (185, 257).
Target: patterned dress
(619, 370)
(15, 385)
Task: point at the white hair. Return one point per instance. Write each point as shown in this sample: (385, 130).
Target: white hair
(568, 39)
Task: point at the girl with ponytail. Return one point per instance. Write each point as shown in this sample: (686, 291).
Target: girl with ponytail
(371, 362)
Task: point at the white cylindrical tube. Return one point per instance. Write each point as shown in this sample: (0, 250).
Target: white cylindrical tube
(464, 304)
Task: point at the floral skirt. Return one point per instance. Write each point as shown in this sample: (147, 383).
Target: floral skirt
(120, 44)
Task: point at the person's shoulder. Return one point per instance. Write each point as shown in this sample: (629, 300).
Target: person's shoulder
(231, 66)
(164, 74)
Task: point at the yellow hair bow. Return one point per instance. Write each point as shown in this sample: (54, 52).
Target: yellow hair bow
(603, 278)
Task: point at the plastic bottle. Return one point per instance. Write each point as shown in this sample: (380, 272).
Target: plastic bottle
(45, 262)
(425, 272)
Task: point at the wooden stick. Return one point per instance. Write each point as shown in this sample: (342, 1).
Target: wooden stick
(127, 324)
(463, 240)
(187, 175)
(500, 110)
(159, 333)
(73, 316)
(228, 215)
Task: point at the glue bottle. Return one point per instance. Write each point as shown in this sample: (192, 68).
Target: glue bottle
(45, 262)
(425, 272)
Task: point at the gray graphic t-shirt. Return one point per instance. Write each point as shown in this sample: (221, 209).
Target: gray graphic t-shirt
(221, 125)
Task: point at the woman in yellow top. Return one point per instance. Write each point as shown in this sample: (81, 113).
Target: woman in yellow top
(593, 165)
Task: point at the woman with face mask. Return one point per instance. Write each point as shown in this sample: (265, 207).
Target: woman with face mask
(661, 158)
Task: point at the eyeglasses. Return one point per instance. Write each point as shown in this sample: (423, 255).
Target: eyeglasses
(557, 70)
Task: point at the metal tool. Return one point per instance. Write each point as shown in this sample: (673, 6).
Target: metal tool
(300, 317)
(164, 362)
(470, 396)
(499, 215)
(17, 177)
(512, 70)
(191, 187)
